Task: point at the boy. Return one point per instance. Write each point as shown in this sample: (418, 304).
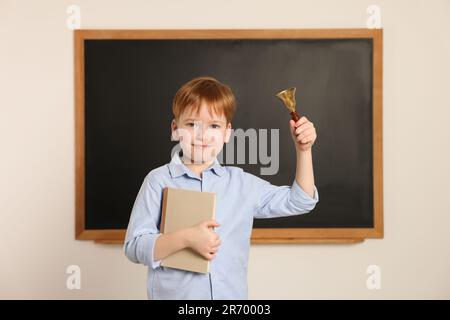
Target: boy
(203, 109)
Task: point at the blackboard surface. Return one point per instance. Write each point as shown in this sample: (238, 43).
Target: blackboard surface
(129, 86)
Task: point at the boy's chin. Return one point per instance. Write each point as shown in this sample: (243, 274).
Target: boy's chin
(199, 158)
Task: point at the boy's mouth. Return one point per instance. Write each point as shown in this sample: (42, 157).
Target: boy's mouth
(200, 145)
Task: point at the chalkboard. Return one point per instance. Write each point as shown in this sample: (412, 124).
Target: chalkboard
(125, 83)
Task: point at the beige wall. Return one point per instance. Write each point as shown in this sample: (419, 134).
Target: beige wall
(37, 152)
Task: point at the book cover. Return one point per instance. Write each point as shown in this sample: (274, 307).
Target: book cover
(181, 209)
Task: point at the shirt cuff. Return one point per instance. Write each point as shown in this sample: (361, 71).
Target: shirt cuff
(299, 194)
(146, 248)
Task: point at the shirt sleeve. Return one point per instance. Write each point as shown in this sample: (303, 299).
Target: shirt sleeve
(281, 201)
(143, 230)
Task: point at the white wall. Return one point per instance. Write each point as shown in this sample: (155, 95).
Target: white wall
(37, 152)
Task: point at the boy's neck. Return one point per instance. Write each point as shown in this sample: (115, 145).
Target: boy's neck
(197, 168)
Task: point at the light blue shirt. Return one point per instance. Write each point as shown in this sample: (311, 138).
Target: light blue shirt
(240, 197)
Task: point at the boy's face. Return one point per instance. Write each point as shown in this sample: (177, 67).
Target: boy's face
(201, 135)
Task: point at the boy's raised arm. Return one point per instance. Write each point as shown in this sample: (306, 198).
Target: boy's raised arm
(281, 201)
(302, 196)
(304, 135)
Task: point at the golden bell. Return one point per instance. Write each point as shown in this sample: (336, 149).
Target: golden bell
(288, 98)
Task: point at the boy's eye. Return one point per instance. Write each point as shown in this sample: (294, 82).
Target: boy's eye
(191, 124)
(215, 126)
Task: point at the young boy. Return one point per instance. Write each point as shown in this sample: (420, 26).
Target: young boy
(203, 109)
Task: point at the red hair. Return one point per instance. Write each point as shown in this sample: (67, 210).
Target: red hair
(215, 94)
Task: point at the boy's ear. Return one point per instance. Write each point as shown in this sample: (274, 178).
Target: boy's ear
(228, 133)
(175, 136)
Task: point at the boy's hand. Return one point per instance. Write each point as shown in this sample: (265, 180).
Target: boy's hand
(204, 240)
(303, 133)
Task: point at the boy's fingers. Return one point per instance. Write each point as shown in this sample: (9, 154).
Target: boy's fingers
(214, 249)
(305, 139)
(211, 223)
(304, 127)
(301, 121)
(306, 132)
(293, 126)
(210, 256)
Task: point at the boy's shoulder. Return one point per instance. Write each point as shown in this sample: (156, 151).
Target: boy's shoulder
(242, 175)
(158, 174)
(236, 173)
(234, 169)
(247, 176)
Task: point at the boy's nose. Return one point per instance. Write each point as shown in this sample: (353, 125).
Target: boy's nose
(202, 134)
(199, 133)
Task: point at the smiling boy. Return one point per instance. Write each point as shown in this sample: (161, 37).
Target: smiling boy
(203, 109)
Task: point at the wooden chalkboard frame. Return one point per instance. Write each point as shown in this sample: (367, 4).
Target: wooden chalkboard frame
(261, 235)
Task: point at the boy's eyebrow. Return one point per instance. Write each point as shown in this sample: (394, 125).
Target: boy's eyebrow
(192, 119)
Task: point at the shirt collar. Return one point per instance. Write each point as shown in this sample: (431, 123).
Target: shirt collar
(178, 168)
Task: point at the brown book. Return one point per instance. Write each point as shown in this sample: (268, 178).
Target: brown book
(182, 209)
